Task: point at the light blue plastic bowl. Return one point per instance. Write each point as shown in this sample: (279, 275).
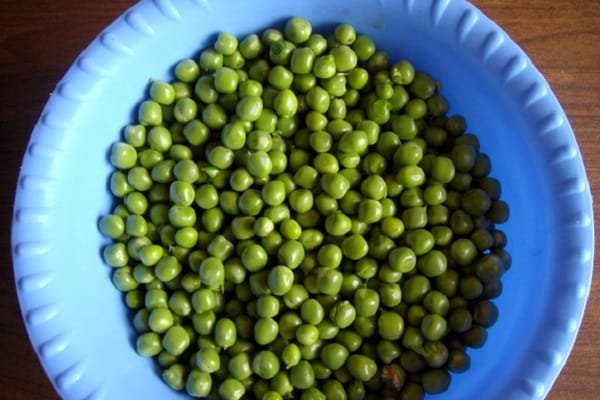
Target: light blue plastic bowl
(76, 318)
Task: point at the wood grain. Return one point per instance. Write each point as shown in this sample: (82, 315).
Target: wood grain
(39, 39)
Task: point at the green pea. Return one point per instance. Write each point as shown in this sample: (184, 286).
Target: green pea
(366, 301)
(285, 103)
(345, 58)
(420, 241)
(355, 247)
(212, 272)
(291, 253)
(225, 333)
(489, 268)
(254, 257)
(329, 281)
(343, 314)
(231, 389)
(392, 227)
(150, 113)
(297, 30)
(364, 47)
(167, 269)
(402, 72)
(112, 226)
(302, 375)
(361, 367)
(123, 155)
(149, 344)
(176, 340)
(433, 327)
(415, 288)
(251, 46)
(335, 185)
(265, 364)
(198, 383)
(432, 264)
(265, 330)
(259, 164)
(369, 211)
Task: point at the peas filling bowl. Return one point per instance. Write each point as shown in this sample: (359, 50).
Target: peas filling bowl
(324, 256)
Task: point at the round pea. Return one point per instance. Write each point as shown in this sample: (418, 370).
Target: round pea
(265, 364)
(302, 375)
(361, 367)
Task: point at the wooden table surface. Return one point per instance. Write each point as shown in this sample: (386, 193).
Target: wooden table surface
(39, 39)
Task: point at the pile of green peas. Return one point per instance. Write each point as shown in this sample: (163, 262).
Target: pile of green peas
(298, 217)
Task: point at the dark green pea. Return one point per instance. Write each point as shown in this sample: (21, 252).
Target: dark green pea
(470, 287)
(435, 380)
(422, 86)
(437, 105)
(489, 268)
(475, 337)
(435, 137)
(447, 282)
(412, 391)
(460, 320)
(412, 362)
(498, 212)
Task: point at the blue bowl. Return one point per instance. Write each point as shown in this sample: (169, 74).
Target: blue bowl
(76, 318)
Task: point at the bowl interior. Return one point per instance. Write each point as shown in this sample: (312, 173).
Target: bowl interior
(76, 318)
